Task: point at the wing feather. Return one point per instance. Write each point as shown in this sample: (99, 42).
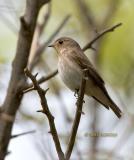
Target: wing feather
(83, 62)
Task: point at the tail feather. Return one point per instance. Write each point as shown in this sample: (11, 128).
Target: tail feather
(102, 96)
(106, 106)
(105, 100)
(113, 106)
(116, 109)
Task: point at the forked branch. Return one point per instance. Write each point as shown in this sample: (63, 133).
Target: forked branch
(46, 111)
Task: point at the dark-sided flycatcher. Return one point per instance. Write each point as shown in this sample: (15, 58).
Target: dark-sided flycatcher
(71, 63)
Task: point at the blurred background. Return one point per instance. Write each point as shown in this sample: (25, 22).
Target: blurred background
(113, 57)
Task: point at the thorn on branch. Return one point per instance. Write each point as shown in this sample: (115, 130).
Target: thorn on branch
(25, 25)
(94, 49)
(46, 90)
(22, 134)
(23, 22)
(8, 153)
(41, 111)
(82, 112)
(36, 75)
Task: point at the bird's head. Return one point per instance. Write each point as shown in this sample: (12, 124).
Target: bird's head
(64, 43)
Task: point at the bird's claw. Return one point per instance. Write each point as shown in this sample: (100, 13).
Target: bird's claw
(76, 93)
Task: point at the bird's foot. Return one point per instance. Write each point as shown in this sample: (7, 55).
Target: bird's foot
(76, 93)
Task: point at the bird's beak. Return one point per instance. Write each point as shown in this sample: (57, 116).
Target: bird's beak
(51, 45)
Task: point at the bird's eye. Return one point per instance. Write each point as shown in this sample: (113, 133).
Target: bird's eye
(60, 42)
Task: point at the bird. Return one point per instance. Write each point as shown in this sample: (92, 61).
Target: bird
(71, 63)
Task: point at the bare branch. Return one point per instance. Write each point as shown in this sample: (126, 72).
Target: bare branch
(76, 122)
(46, 111)
(18, 79)
(100, 35)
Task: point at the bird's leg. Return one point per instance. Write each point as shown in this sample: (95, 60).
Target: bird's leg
(76, 94)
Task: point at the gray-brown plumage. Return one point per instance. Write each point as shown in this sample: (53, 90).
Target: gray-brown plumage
(71, 63)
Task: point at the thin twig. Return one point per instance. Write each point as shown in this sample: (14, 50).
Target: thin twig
(76, 122)
(111, 29)
(43, 79)
(46, 111)
(22, 134)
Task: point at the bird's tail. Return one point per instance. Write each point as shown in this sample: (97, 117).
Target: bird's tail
(110, 104)
(115, 109)
(103, 97)
(113, 106)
